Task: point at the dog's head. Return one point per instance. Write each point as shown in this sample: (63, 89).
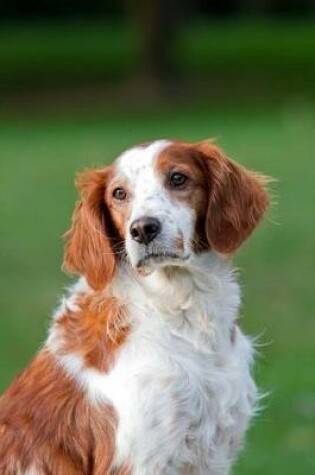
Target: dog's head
(158, 204)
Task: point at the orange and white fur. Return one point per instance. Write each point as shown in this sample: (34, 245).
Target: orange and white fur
(145, 370)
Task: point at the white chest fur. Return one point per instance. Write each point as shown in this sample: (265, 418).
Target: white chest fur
(181, 386)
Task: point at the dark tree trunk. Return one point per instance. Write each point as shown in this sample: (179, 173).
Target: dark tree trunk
(156, 23)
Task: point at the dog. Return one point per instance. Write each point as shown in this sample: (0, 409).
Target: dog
(145, 370)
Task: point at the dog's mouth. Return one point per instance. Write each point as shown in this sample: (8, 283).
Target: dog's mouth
(161, 258)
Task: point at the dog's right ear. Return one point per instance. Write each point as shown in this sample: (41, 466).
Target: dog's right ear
(88, 249)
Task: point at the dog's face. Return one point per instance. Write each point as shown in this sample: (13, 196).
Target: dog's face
(158, 204)
(154, 198)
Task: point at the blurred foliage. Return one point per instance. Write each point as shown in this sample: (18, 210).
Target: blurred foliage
(70, 9)
(40, 55)
(57, 54)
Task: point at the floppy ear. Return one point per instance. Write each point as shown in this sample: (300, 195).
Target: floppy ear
(237, 202)
(88, 249)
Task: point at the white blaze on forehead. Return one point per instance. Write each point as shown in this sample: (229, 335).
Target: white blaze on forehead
(138, 166)
(139, 162)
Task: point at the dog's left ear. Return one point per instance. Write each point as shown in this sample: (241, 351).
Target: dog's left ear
(88, 249)
(237, 200)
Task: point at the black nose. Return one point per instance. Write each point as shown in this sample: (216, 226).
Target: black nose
(144, 230)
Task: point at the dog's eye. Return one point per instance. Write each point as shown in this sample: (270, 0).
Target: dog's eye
(119, 194)
(178, 179)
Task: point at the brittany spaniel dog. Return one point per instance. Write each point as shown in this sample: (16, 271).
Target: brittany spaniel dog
(145, 370)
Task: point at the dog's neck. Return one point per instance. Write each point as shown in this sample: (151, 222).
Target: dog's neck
(198, 301)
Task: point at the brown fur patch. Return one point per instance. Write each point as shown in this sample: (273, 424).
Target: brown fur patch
(237, 201)
(48, 424)
(185, 158)
(119, 210)
(95, 331)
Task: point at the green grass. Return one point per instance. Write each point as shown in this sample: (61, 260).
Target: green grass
(39, 158)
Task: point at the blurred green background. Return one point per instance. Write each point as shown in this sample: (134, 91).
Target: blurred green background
(80, 81)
